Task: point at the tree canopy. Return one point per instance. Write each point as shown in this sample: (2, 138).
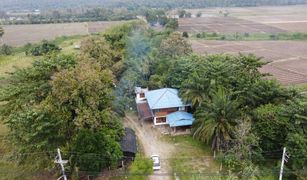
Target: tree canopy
(66, 102)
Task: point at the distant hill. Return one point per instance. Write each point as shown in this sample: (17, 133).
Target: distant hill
(54, 4)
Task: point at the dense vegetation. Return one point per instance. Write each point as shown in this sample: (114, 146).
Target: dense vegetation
(66, 101)
(70, 15)
(75, 102)
(43, 48)
(134, 4)
(246, 118)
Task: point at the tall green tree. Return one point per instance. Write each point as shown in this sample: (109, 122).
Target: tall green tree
(33, 128)
(97, 49)
(95, 150)
(216, 120)
(271, 129)
(82, 96)
(175, 45)
(49, 104)
(29, 87)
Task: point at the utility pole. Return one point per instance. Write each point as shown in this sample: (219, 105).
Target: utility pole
(59, 160)
(285, 157)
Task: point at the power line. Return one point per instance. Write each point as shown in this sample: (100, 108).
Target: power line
(267, 153)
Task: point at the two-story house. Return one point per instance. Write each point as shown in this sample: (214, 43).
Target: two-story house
(163, 106)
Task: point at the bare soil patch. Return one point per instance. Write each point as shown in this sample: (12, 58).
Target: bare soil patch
(288, 59)
(220, 24)
(18, 35)
(266, 19)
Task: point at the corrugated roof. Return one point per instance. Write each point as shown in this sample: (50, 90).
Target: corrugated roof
(163, 98)
(128, 141)
(179, 118)
(144, 111)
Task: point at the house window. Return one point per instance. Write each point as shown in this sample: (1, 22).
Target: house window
(182, 108)
(142, 95)
(161, 120)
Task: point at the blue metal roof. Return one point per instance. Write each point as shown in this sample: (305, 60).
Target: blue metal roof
(163, 98)
(179, 118)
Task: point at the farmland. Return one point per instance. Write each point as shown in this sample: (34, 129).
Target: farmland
(267, 32)
(247, 20)
(79, 98)
(225, 25)
(288, 59)
(17, 35)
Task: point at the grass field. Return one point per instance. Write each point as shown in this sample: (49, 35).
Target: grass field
(8, 64)
(19, 60)
(191, 157)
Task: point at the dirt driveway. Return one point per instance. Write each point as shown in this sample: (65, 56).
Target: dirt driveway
(150, 139)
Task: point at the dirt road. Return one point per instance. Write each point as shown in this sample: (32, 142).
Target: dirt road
(150, 139)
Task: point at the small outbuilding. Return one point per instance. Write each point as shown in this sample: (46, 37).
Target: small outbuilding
(179, 119)
(129, 145)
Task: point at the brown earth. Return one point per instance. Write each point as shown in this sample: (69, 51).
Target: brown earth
(265, 19)
(288, 59)
(220, 24)
(18, 35)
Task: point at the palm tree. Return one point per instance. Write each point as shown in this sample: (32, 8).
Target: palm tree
(196, 89)
(216, 120)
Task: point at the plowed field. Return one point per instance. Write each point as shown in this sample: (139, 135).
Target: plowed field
(288, 59)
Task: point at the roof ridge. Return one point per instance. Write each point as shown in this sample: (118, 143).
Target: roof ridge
(160, 97)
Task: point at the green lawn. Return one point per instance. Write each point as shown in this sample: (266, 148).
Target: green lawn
(301, 87)
(8, 64)
(192, 158)
(67, 43)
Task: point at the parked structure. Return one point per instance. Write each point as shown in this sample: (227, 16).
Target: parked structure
(129, 146)
(163, 106)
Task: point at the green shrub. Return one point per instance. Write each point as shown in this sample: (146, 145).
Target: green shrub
(27, 48)
(6, 50)
(198, 14)
(44, 48)
(231, 162)
(185, 34)
(140, 168)
(172, 24)
(96, 150)
(273, 36)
